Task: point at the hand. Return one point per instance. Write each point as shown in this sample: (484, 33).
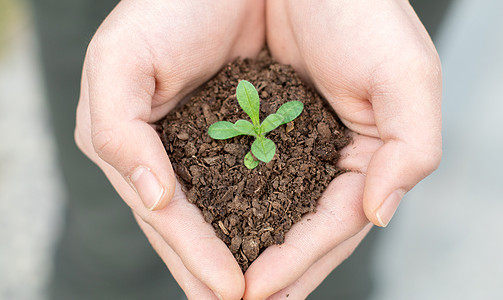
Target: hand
(376, 65)
(145, 57)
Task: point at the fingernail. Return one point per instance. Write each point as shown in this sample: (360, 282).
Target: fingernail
(147, 186)
(388, 207)
(218, 296)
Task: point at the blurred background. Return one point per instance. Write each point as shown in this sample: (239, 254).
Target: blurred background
(31, 193)
(445, 242)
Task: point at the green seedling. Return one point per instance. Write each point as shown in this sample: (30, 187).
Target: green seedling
(263, 149)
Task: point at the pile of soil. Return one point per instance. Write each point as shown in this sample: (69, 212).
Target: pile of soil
(253, 209)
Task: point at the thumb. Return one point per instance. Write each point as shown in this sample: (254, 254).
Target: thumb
(408, 119)
(121, 88)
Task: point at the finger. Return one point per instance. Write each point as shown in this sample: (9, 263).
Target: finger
(407, 107)
(193, 287)
(357, 155)
(384, 83)
(313, 277)
(180, 224)
(339, 216)
(183, 227)
(121, 88)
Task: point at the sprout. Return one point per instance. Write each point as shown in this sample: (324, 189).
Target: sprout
(262, 148)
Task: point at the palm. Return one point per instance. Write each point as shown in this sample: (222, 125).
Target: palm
(181, 53)
(146, 56)
(359, 58)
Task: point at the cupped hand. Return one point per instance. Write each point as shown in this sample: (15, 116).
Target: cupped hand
(376, 65)
(144, 58)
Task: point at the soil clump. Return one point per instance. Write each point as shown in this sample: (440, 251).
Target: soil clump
(253, 209)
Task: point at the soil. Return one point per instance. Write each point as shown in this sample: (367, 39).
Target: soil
(253, 209)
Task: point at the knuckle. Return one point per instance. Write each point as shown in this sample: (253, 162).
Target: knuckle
(106, 143)
(435, 157)
(428, 160)
(426, 65)
(78, 139)
(81, 139)
(84, 144)
(95, 51)
(432, 70)
(346, 252)
(416, 63)
(99, 49)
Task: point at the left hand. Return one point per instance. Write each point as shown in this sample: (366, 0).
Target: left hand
(147, 56)
(376, 65)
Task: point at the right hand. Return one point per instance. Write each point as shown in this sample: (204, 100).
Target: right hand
(144, 58)
(377, 67)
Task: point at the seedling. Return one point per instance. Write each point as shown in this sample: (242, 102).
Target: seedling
(263, 149)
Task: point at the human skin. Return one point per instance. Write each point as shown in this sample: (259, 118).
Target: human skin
(376, 65)
(372, 60)
(144, 58)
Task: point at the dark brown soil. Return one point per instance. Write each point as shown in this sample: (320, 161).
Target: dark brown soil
(253, 209)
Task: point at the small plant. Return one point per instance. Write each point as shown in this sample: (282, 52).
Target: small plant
(263, 149)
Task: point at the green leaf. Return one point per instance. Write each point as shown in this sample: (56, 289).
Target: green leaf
(271, 123)
(248, 100)
(290, 111)
(263, 149)
(245, 127)
(223, 130)
(250, 161)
